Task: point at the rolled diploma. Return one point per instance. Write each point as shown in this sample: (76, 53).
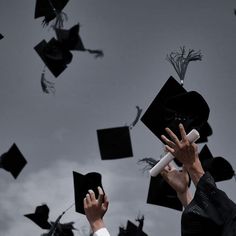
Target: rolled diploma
(192, 136)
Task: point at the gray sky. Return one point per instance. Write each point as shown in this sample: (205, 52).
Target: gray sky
(57, 134)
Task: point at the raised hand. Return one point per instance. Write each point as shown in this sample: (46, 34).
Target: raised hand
(95, 209)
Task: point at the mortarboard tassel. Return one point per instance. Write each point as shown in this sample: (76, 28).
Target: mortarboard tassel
(56, 223)
(139, 111)
(54, 226)
(97, 53)
(180, 61)
(47, 86)
(59, 20)
(149, 163)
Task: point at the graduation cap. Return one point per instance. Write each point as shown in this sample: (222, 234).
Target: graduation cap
(122, 231)
(13, 161)
(54, 55)
(71, 40)
(205, 130)
(180, 60)
(160, 193)
(115, 143)
(218, 167)
(83, 183)
(174, 105)
(40, 216)
(133, 230)
(1, 36)
(50, 9)
(64, 229)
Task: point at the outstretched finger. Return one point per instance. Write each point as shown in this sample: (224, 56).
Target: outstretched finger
(169, 149)
(182, 132)
(100, 195)
(85, 203)
(92, 195)
(167, 141)
(173, 136)
(106, 202)
(88, 199)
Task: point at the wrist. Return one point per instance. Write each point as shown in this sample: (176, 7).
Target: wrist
(195, 171)
(185, 197)
(97, 224)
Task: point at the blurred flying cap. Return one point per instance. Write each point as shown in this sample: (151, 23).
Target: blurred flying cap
(1, 36)
(154, 118)
(133, 230)
(49, 9)
(70, 38)
(13, 161)
(65, 229)
(83, 183)
(54, 55)
(218, 167)
(115, 143)
(160, 193)
(40, 216)
(174, 105)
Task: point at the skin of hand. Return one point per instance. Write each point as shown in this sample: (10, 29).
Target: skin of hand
(95, 209)
(179, 181)
(185, 152)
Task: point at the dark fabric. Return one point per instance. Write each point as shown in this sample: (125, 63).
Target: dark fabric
(210, 212)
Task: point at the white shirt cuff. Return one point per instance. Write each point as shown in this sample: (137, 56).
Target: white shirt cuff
(101, 232)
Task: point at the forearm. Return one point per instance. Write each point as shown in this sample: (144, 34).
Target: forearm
(195, 171)
(185, 198)
(97, 224)
(98, 228)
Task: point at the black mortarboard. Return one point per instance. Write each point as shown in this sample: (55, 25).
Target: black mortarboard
(115, 143)
(1, 36)
(122, 231)
(82, 183)
(13, 161)
(133, 230)
(65, 229)
(160, 193)
(54, 55)
(70, 38)
(40, 216)
(174, 105)
(218, 167)
(49, 9)
(205, 131)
